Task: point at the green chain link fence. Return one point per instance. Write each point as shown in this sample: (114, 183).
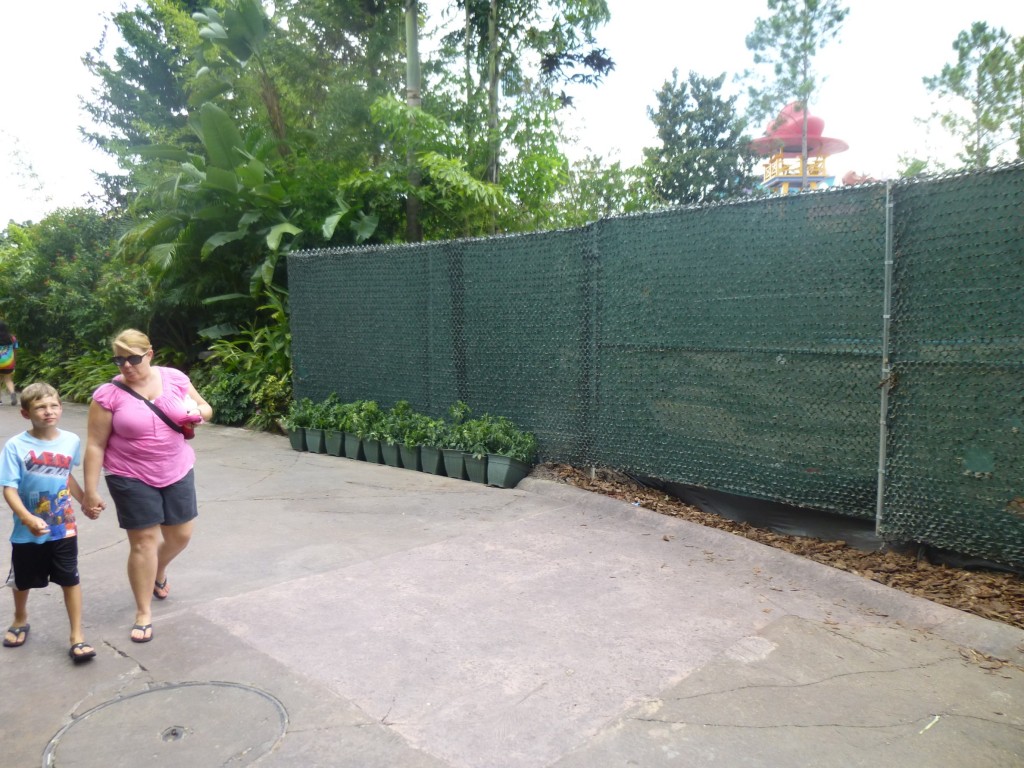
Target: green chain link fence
(738, 347)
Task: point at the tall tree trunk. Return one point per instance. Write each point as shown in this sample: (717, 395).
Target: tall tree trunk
(467, 47)
(272, 101)
(803, 148)
(493, 137)
(494, 140)
(413, 227)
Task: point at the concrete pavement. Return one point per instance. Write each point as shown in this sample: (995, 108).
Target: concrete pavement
(332, 613)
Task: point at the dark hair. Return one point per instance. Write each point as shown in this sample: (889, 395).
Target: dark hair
(5, 334)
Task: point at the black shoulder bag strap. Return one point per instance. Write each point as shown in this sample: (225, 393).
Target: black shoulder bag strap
(157, 411)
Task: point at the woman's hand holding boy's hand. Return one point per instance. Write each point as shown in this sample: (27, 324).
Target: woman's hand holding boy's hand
(92, 505)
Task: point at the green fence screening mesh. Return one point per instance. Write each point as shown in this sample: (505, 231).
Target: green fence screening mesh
(956, 412)
(736, 347)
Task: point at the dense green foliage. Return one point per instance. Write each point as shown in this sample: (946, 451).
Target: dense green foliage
(986, 87)
(245, 130)
(63, 290)
(142, 92)
(704, 154)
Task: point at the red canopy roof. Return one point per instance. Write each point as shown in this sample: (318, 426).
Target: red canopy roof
(785, 134)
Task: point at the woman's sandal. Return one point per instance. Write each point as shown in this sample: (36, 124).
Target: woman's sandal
(161, 586)
(83, 655)
(145, 629)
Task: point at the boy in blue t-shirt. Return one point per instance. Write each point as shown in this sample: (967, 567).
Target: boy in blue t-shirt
(35, 472)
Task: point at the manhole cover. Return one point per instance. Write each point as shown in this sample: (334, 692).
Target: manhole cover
(193, 724)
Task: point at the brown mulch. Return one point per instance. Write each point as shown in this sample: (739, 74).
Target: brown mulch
(994, 595)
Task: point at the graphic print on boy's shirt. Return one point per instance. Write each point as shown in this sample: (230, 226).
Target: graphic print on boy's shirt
(53, 507)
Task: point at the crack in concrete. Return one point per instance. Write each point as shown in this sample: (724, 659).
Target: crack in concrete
(812, 683)
(929, 718)
(539, 688)
(124, 655)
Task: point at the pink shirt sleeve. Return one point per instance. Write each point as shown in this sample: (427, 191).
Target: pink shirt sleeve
(141, 445)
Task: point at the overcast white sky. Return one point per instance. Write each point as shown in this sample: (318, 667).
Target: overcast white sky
(870, 96)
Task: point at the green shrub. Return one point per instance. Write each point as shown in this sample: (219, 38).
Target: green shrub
(299, 415)
(506, 439)
(342, 417)
(395, 421)
(227, 394)
(321, 414)
(83, 373)
(473, 436)
(270, 401)
(367, 419)
(74, 374)
(435, 433)
(489, 434)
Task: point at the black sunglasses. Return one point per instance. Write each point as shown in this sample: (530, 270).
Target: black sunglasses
(120, 360)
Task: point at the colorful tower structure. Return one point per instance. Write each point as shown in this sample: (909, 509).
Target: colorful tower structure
(782, 145)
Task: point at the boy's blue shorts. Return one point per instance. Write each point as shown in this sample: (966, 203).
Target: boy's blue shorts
(33, 566)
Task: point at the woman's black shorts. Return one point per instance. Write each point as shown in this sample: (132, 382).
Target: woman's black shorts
(143, 506)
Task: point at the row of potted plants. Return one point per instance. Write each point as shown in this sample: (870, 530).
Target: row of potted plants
(486, 449)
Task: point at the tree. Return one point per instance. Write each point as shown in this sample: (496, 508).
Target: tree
(218, 224)
(62, 287)
(787, 42)
(452, 201)
(497, 42)
(597, 189)
(22, 169)
(704, 153)
(142, 96)
(1017, 121)
(413, 99)
(984, 89)
(235, 38)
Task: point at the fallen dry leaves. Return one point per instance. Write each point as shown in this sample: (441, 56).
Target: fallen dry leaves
(994, 595)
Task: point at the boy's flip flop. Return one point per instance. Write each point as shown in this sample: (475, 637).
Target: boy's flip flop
(20, 636)
(84, 654)
(161, 586)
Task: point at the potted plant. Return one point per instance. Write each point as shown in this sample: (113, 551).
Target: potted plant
(416, 430)
(363, 441)
(434, 434)
(452, 452)
(474, 436)
(392, 431)
(320, 418)
(339, 423)
(511, 452)
(295, 421)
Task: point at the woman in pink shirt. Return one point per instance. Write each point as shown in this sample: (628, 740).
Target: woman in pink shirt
(147, 465)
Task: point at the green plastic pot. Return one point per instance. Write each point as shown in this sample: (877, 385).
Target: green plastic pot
(476, 468)
(454, 463)
(297, 437)
(504, 471)
(371, 451)
(353, 447)
(391, 455)
(410, 456)
(334, 440)
(431, 460)
(315, 440)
